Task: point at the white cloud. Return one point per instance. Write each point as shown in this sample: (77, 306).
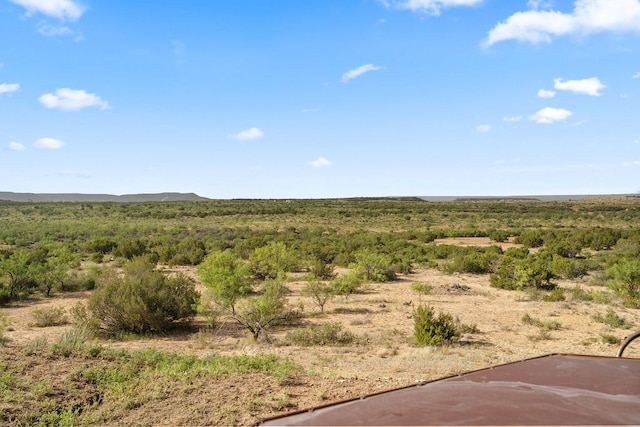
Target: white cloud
(543, 93)
(61, 9)
(587, 17)
(591, 86)
(512, 119)
(49, 143)
(483, 128)
(432, 7)
(636, 75)
(70, 99)
(633, 163)
(16, 146)
(248, 134)
(550, 115)
(54, 31)
(357, 72)
(320, 162)
(9, 87)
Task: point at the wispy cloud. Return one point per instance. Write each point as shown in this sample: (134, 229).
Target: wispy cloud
(543, 93)
(71, 100)
(9, 87)
(483, 128)
(633, 163)
(550, 115)
(591, 86)
(432, 7)
(16, 146)
(636, 75)
(587, 17)
(320, 162)
(54, 30)
(357, 72)
(248, 134)
(60, 9)
(178, 47)
(49, 143)
(512, 119)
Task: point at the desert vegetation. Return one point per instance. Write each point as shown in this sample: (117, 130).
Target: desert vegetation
(144, 305)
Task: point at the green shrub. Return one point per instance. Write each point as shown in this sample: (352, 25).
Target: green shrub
(612, 319)
(347, 284)
(429, 329)
(610, 339)
(549, 325)
(625, 280)
(527, 319)
(322, 270)
(422, 287)
(143, 300)
(498, 235)
(49, 316)
(556, 294)
(374, 267)
(268, 261)
(330, 333)
(518, 274)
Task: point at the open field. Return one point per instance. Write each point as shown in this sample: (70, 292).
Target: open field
(115, 379)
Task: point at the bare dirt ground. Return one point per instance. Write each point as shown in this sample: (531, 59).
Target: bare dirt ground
(384, 357)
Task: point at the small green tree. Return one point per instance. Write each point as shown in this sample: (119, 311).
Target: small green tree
(257, 315)
(18, 268)
(226, 276)
(624, 278)
(319, 292)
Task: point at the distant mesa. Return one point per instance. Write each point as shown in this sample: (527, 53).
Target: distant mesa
(77, 197)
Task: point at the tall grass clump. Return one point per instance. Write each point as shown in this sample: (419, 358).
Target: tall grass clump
(49, 316)
(330, 333)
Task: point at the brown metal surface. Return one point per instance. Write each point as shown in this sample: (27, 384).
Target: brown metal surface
(555, 389)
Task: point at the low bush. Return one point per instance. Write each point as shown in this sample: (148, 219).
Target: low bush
(549, 325)
(330, 333)
(143, 300)
(422, 287)
(49, 316)
(612, 319)
(556, 295)
(610, 339)
(429, 329)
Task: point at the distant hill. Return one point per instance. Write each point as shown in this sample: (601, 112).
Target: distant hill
(77, 197)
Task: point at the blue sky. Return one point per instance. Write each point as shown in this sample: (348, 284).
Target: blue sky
(320, 98)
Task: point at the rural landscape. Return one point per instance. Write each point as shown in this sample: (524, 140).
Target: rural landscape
(226, 312)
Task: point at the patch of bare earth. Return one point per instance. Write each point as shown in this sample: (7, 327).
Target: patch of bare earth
(384, 357)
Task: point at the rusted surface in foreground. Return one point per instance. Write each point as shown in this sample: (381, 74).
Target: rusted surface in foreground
(554, 389)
